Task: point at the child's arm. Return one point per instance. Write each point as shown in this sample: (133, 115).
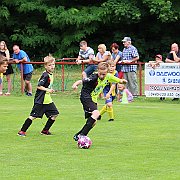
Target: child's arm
(113, 86)
(76, 84)
(42, 88)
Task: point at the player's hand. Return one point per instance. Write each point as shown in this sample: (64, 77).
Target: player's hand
(123, 81)
(74, 86)
(50, 90)
(107, 96)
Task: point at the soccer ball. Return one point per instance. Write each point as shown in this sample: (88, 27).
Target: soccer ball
(84, 142)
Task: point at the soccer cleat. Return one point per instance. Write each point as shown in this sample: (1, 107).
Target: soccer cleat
(111, 120)
(45, 132)
(76, 137)
(21, 133)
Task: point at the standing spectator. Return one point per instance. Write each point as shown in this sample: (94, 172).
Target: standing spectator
(86, 55)
(20, 56)
(174, 54)
(130, 55)
(117, 56)
(5, 52)
(3, 64)
(102, 55)
(173, 57)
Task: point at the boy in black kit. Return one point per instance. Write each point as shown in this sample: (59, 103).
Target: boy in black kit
(43, 103)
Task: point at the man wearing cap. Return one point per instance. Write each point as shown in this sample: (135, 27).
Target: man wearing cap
(86, 55)
(130, 55)
(158, 60)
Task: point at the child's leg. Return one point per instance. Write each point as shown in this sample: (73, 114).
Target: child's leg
(27, 123)
(51, 112)
(103, 110)
(110, 111)
(49, 123)
(90, 123)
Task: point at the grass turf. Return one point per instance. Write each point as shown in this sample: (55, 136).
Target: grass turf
(142, 142)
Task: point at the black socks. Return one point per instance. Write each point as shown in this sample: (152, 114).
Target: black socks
(26, 125)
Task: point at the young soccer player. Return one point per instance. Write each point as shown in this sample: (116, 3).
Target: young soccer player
(110, 90)
(91, 89)
(3, 64)
(43, 103)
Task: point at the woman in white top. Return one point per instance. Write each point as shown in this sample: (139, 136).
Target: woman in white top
(102, 55)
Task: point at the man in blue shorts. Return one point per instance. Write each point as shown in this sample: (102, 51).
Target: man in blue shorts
(20, 56)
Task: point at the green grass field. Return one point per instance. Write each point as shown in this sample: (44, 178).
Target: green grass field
(142, 143)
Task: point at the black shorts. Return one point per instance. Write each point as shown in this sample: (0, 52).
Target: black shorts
(89, 106)
(27, 77)
(39, 110)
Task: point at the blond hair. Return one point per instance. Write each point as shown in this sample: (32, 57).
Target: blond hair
(5, 46)
(111, 62)
(102, 46)
(103, 66)
(49, 59)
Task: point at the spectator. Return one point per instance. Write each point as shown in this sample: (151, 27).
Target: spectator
(154, 64)
(5, 52)
(130, 55)
(102, 55)
(117, 56)
(158, 60)
(86, 55)
(3, 64)
(173, 57)
(121, 89)
(174, 54)
(20, 56)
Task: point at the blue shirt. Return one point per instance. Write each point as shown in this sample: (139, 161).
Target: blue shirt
(27, 68)
(128, 54)
(113, 55)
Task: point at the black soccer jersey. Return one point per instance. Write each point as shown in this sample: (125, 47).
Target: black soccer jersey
(43, 97)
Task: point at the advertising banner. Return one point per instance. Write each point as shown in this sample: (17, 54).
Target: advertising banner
(163, 80)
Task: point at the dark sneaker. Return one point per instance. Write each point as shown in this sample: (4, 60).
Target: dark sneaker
(45, 132)
(111, 120)
(29, 94)
(76, 137)
(22, 133)
(162, 98)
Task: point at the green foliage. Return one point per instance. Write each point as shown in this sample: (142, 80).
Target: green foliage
(42, 26)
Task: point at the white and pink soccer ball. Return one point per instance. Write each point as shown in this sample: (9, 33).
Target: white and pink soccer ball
(84, 142)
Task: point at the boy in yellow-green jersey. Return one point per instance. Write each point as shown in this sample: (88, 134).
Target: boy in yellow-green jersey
(91, 89)
(43, 103)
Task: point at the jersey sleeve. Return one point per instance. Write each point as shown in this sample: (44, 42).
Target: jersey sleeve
(43, 80)
(112, 78)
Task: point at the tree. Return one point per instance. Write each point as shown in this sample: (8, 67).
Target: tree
(45, 26)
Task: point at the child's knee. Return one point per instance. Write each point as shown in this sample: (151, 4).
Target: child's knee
(95, 114)
(53, 117)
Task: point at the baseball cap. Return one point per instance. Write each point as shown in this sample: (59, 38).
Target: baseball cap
(159, 56)
(126, 39)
